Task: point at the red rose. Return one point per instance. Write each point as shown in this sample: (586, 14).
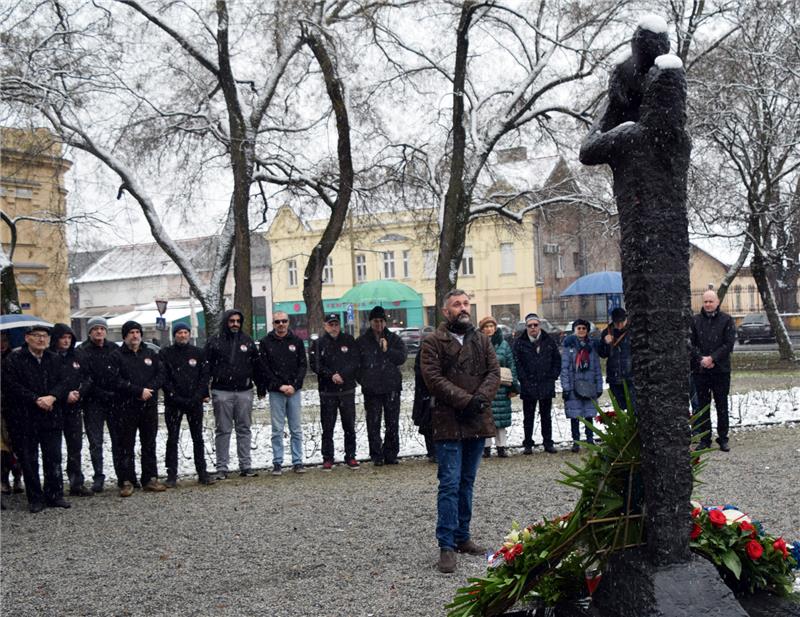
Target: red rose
(696, 531)
(780, 546)
(754, 549)
(748, 528)
(696, 512)
(717, 518)
(511, 555)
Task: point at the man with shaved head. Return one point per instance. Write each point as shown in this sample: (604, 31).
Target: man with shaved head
(713, 336)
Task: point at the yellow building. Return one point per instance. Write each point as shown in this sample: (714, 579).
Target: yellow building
(32, 185)
(498, 269)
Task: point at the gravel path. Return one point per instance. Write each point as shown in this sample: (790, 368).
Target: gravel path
(335, 544)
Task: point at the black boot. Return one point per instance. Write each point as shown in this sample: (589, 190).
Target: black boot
(501, 452)
(487, 452)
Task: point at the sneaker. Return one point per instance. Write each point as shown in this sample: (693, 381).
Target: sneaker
(171, 482)
(126, 490)
(299, 468)
(276, 470)
(206, 480)
(97, 485)
(447, 561)
(80, 491)
(550, 449)
(222, 475)
(59, 503)
(353, 463)
(249, 473)
(470, 548)
(327, 465)
(154, 486)
(576, 448)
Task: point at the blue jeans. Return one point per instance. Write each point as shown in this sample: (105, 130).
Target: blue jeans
(458, 466)
(284, 407)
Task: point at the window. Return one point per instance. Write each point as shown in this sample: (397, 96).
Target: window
(428, 264)
(361, 268)
(576, 261)
(751, 292)
(292, 268)
(467, 265)
(507, 258)
(406, 260)
(24, 193)
(388, 264)
(737, 297)
(327, 272)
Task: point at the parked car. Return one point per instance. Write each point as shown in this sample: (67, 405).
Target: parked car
(554, 331)
(411, 337)
(507, 331)
(755, 327)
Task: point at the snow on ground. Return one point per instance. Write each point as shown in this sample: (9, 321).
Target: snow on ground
(759, 407)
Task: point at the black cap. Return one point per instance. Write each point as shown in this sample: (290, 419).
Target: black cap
(377, 313)
(37, 328)
(580, 322)
(131, 325)
(331, 317)
(618, 314)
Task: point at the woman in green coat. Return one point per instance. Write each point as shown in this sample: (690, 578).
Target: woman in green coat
(501, 405)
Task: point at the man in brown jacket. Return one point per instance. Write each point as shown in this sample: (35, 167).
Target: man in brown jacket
(461, 372)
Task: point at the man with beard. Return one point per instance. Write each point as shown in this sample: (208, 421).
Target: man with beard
(32, 376)
(62, 343)
(94, 355)
(233, 363)
(461, 371)
(334, 358)
(139, 377)
(381, 354)
(185, 390)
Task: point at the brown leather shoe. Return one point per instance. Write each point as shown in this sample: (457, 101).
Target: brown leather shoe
(470, 548)
(447, 561)
(154, 486)
(126, 490)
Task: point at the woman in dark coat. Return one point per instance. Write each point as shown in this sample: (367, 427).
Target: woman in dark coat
(501, 404)
(581, 379)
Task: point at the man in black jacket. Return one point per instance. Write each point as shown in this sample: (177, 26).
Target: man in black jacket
(94, 355)
(334, 358)
(713, 337)
(185, 387)
(77, 383)
(615, 344)
(32, 376)
(234, 364)
(381, 353)
(538, 366)
(283, 363)
(139, 376)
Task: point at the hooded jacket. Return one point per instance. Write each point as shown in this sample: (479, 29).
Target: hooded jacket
(283, 362)
(100, 371)
(75, 377)
(185, 375)
(713, 334)
(232, 358)
(379, 371)
(328, 355)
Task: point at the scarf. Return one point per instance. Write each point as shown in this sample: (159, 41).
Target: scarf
(582, 357)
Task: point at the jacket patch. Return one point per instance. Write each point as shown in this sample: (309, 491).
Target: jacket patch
(76, 365)
(243, 347)
(344, 348)
(148, 361)
(192, 362)
(292, 348)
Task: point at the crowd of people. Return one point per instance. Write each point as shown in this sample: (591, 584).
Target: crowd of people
(465, 378)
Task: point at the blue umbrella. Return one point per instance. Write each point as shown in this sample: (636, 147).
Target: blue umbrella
(597, 283)
(18, 320)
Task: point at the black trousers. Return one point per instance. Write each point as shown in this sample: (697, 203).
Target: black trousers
(717, 385)
(384, 407)
(126, 421)
(618, 390)
(47, 439)
(194, 416)
(95, 416)
(528, 416)
(73, 437)
(345, 404)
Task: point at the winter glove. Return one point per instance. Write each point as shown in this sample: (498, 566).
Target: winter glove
(565, 394)
(474, 407)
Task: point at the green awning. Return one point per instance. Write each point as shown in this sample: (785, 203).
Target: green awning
(386, 293)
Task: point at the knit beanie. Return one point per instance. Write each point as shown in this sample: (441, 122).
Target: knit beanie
(180, 325)
(486, 320)
(131, 325)
(377, 313)
(97, 321)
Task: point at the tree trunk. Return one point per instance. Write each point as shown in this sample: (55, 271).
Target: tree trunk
(759, 270)
(312, 283)
(455, 217)
(9, 303)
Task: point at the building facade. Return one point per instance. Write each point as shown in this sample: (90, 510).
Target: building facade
(32, 185)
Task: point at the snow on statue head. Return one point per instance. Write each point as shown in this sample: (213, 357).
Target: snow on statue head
(664, 100)
(625, 87)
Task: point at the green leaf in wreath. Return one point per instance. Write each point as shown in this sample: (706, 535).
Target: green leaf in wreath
(733, 563)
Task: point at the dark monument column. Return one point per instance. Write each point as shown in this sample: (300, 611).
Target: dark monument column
(641, 135)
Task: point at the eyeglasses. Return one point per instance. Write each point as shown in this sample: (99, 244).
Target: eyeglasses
(40, 335)
(278, 321)
(532, 325)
